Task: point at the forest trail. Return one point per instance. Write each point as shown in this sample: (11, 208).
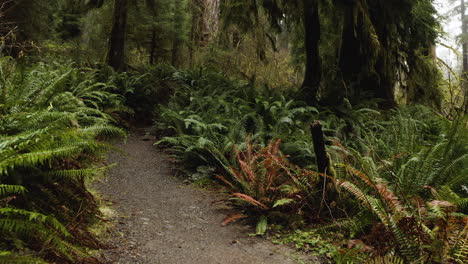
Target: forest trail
(159, 219)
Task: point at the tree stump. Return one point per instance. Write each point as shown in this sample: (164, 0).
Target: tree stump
(323, 162)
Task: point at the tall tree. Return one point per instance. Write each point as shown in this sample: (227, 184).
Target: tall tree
(464, 34)
(205, 20)
(159, 29)
(465, 53)
(302, 14)
(116, 48)
(460, 9)
(384, 44)
(376, 46)
(29, 20)
(313, 70)
(179, 30)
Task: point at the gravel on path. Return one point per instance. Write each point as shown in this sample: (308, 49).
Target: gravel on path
(162, 220)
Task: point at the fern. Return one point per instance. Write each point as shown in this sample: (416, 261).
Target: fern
(396, 169)
(210, 106)
(385, 260)
(50, 118)
(8, 190)
(460, 253)
(7, 257)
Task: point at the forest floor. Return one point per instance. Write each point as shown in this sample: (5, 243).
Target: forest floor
(157, 218)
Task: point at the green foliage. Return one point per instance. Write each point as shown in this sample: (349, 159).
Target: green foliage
(410, 174)
(415, 149)
(7, 257)
(366, 48)
(29, 18)
(404, 229)
(51, 116)
(159, 31)
(399, 175)
(308, 241)
(386, 260)
(399, 180)
(141, 92)
(210, 113)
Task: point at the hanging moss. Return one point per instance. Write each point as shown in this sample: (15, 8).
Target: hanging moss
(382, 44)
(367, 47)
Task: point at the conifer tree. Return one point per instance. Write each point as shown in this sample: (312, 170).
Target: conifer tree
(116, 52)
(381, 44)
(179, 30)
(205, 23)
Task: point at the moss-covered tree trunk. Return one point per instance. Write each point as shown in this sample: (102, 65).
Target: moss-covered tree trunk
(313, 70)
(205, 21)
(350, 61)
(116, 50)
(383, 86)
(464, 32)
(465, 55)
(366, 67)
(209, 20)
(152, 57)
(175, 52)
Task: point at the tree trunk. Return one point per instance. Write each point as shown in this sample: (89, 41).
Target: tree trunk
(350, 60)
(355, 80)
(464, 40)
(323, 162)
(464, 75)
(313, 71)
(153, 47)
(384, 86)
(208, 20)
(175, 52)
(116, 52)
(193, 36)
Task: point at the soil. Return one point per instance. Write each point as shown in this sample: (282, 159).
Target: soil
(161, 219)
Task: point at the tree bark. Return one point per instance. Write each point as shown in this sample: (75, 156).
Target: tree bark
(323, 162)
(175, 52)
(208, 20)
(116, 51)
(152, 58)
(464, 41)
(350, 60)
(464, 75)
(313, 71)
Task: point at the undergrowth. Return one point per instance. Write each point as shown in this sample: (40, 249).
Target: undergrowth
(51, 117)
(397, 191)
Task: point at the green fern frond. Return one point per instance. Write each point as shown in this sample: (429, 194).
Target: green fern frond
(8, 190)
(385, 260)
(90, 172)
(102, 129)
(459, 252)
(50, 118)
(10, 258)
(32, 217)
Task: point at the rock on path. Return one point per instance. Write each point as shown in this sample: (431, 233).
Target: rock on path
(161, 220)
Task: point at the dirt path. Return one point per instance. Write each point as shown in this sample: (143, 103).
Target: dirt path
(162, 220)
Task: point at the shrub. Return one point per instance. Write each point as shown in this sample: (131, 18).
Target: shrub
(266, 183)
(51, 116)
(210, 113)
(398, 182)
(410, 177)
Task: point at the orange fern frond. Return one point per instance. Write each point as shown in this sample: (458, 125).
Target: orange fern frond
(224, 180)
(250, 200)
